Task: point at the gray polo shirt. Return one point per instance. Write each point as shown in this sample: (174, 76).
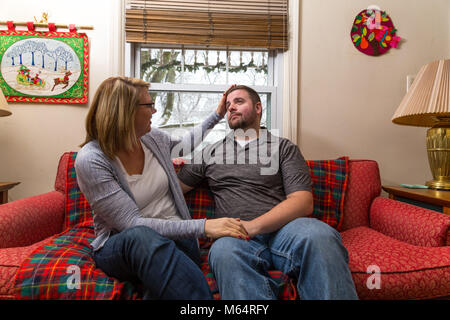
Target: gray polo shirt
(249, 181)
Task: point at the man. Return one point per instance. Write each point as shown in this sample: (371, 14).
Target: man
(264, 181)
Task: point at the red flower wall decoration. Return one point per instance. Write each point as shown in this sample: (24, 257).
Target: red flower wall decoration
(373, 32)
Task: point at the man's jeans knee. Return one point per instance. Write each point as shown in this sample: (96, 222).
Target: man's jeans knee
(317, 258)
(240, 269)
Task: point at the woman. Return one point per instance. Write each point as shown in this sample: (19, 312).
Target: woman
(144, 232)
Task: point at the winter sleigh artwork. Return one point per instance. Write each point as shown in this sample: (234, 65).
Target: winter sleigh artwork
(45, 67)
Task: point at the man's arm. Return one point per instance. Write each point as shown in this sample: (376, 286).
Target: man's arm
(297, 204)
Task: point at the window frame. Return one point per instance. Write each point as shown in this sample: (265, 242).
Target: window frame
(274, 87)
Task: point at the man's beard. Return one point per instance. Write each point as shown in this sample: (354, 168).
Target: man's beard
(243, 123)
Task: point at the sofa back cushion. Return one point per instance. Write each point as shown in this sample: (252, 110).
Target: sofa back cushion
(343, 192)
(60, 181)
(77, 209)
(364, 185)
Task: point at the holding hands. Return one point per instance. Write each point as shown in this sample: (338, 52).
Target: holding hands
(225, 227)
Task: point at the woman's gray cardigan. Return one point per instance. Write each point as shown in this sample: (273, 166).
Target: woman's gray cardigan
(105, 188)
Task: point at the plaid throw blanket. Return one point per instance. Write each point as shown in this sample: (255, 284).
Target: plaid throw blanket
(64, 268)
(330, 181)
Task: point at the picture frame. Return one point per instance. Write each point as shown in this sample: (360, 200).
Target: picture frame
(44, 67)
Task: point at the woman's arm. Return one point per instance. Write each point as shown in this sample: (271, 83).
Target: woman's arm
(185, 145)
(194, 137)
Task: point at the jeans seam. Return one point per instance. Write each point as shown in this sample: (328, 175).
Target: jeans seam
(260, 261)
(287, 256)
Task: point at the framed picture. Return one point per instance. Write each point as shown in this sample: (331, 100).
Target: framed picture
(44, 67)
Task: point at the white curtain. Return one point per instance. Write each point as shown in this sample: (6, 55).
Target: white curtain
(291, 76)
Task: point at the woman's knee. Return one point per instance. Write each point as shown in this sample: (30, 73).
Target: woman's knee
(143, 236)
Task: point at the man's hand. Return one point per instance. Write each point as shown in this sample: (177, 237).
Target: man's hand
(222, 107)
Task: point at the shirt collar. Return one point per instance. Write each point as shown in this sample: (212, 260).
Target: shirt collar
(263, 134)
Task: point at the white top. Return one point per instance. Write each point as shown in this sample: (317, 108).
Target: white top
(151, 189)
(243, 143)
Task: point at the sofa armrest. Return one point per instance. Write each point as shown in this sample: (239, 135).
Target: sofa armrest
(26, 221)
(412, 224)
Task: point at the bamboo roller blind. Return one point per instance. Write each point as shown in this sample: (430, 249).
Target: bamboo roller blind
(231, 23)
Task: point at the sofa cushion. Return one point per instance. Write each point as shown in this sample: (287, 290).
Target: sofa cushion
(408, 223)
(77, 209)
(44, 214)
(364, 185)
(329, 179)
(11, 259)
(405, 271)
(61, 173)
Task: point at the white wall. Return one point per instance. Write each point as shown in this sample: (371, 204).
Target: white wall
(35, 136)
(347, 99)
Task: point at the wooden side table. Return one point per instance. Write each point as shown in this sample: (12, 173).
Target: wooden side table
(437, 200)
(4, 187)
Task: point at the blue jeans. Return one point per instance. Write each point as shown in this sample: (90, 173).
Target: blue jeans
(166, 269)
(306, 249)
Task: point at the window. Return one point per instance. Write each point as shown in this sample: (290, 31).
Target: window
(191, 51)
(187, 82)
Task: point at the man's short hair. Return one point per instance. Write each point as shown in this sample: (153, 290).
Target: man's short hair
(254, 96)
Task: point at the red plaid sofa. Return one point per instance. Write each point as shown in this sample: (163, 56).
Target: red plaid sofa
(396, 250)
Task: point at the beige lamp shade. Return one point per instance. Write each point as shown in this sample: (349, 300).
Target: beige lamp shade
(428, 97)
(4, 108)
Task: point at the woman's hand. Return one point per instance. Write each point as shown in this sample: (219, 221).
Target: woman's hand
(225, 227)
(222, 107)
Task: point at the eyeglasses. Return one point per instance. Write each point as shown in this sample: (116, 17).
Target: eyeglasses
(148, 105)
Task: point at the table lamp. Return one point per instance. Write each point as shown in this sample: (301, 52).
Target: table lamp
(427, 104)
(4, 109)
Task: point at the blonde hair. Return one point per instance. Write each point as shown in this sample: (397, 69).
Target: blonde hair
(110, 119)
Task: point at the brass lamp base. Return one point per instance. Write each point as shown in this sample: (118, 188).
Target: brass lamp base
(438, 147)
(440, 185)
